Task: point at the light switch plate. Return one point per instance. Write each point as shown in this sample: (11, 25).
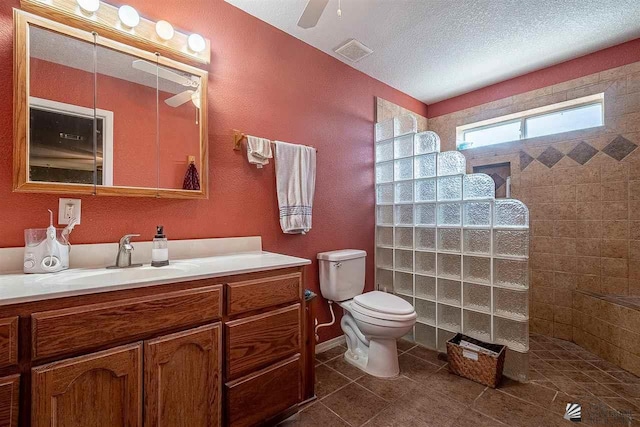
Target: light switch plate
(67, 209)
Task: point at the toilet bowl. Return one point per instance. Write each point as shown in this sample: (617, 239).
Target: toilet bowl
(372, 321)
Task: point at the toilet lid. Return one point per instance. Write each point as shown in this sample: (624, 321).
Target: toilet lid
(383, 302)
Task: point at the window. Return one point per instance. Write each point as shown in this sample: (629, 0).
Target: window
(582, 113)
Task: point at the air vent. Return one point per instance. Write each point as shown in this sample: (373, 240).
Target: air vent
(353, 50)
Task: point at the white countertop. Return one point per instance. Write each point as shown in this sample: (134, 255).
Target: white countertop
(20, 288)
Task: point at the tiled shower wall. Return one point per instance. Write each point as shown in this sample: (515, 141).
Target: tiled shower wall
(582, 189)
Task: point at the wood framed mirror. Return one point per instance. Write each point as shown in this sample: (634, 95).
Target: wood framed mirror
(95, 116)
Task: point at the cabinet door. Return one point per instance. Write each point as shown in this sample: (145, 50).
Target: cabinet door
(9, 391)
(182, 378)
(97, 390)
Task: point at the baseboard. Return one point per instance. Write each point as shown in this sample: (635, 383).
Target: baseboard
(333, 342)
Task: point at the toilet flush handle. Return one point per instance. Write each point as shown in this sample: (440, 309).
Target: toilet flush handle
(337, 264)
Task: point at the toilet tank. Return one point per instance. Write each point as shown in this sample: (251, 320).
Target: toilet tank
(342, 273)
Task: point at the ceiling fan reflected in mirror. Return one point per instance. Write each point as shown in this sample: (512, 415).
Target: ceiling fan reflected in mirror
(313, 11)
(192, 82)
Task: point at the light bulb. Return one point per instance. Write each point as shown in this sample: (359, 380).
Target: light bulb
(164, 30)
(128, 16)
(197, 43)
(89, 6)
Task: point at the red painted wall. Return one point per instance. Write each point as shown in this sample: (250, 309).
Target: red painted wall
(266, 83)
(616, 56)
(134, 123)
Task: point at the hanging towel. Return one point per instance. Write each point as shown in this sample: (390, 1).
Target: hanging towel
(296, 184)
(258, 151)
(191, 178)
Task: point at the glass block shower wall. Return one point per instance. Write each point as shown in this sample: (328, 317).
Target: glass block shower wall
(446, 245)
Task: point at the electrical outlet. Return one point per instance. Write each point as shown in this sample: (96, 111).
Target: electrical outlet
(68, 209)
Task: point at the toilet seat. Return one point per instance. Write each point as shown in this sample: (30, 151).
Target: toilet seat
(373, 307)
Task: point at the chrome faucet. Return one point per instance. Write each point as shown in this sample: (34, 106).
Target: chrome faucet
(123, 259)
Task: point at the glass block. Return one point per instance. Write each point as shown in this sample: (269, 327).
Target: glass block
(403, 169)
(384, 172)
(427, 142)
(403, 283)
(425, 190)
(477, 325)
(404, 192)
(426, 287)
(511, 303)
(516, 365)
(404, 238)
(384, 258)
(404, 124)
(449, 266)
(385, 236)
(449, 291)
(514, 243)
(403, 260)
(477, 297)
(476, 269)
(425, 166)
(426, 263)
(510, 273)
(510, 213)
(384, 280)
(478, 186)
(449, 239)
(449, 214)
(512, 333)
(451, 163)
(406, 298)
(384, 193)
(449, 317)
(426, 311)
(426, 214)
(384, 151)
(450, 188)
(426, 335)
(384, 130)
(476, 242)
(443, 337)
(426, 238)
(384, 215)
(404, 214)
(403, 147)
(477, 214)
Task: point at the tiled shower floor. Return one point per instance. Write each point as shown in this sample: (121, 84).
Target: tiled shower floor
(426, 394)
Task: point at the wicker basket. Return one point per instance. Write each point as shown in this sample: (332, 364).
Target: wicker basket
(475, 365)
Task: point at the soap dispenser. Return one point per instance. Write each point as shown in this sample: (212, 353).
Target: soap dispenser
(160, 251)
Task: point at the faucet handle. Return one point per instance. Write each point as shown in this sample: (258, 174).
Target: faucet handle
(126, 240)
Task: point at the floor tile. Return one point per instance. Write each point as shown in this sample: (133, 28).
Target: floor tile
(454, 386)
(355, 404)
(472, 418)
(416, 369)
(394, 416)
(578, 376)
(626, 390)
(316, 415)
(331, 353)
(527, 391)
(602, 377)
(606, 366)
(345, 368)
(427, 407)
(389, 389)
(429, 355)
(404, 345)
(600, 390)
(625, 377)
(328, 381)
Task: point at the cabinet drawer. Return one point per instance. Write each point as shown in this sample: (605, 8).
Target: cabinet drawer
(9, 393)
(73, 329)
(257, 397)
(257, 341)
(8, 341)
(261, 293)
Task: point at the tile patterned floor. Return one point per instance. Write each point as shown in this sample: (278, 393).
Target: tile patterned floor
(426, 394)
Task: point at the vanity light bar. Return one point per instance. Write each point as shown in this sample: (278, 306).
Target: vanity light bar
(125, 25)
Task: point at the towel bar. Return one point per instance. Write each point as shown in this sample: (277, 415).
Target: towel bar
(239, 136)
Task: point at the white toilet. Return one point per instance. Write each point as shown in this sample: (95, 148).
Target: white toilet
(372, 321)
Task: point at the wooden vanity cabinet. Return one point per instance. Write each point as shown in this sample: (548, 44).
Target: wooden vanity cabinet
(189, 354)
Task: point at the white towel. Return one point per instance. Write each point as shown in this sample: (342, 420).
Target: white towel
(296, 185)
(258, 151)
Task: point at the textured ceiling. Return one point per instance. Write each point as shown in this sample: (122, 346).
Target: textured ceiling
(436, 49)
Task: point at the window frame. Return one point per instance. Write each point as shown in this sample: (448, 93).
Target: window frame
(523, 116)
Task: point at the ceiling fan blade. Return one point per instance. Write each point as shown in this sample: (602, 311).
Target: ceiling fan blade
(151, 68)
(312, 13)
(179, 99)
